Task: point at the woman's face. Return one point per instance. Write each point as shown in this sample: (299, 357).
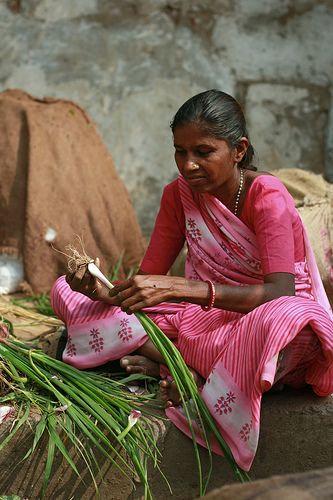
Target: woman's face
(206, 163)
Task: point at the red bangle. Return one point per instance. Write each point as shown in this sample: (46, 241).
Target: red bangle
(212, 296)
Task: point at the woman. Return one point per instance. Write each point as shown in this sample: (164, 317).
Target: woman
(251, 311)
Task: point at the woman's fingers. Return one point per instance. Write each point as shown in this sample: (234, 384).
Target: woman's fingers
(136, 302)
(138, 284)
(82, 281)
(69, 277)
(76, 282)
(120, 297)
(120, 287)
(141, 291)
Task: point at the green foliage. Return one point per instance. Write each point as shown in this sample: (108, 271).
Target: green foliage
(114, 271)
(90, 398)
(39, 302)
(9, 497)
(83, 410)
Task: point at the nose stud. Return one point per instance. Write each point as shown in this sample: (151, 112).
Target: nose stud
(194, 165)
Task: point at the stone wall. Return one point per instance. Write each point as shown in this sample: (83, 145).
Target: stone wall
(131, 63)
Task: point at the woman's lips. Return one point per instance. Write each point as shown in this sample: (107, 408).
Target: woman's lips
(196, 180)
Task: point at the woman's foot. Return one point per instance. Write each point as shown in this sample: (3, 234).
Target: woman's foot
(140, 364)
(169, 392)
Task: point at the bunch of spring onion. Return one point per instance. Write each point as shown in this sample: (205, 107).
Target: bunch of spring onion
(77, 408)
(194, 406)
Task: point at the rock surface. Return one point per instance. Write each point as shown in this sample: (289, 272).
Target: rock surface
(317, 484)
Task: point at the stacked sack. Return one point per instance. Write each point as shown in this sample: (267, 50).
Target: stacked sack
(313, 198)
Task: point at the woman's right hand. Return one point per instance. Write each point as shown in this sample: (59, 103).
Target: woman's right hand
(83, 282)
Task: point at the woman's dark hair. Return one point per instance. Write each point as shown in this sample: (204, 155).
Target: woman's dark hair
(218, 114)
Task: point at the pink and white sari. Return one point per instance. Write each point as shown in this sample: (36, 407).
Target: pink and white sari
(237, 354)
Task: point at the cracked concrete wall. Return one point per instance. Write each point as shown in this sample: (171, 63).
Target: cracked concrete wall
(131, 63)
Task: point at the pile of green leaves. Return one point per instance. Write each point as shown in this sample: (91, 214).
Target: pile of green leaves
(81, 410)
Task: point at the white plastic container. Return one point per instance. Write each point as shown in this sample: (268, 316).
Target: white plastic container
(11, 274)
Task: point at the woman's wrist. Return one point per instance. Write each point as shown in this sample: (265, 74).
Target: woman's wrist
(197, 292)
(212, 296)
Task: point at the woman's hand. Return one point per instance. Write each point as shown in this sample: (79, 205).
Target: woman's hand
(83, 282)
(147, 290)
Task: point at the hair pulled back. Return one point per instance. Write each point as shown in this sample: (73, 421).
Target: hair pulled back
(218, 114)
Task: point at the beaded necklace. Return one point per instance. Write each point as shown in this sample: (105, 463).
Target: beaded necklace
(239, 192)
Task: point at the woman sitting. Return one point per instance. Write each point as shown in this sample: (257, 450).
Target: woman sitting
(251, 310)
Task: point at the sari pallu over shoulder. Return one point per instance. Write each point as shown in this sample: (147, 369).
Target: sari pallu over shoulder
(222, 248)
(219, 245)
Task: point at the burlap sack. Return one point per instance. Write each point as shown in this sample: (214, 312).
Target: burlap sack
(57, 178)
(317, 220)
(313, 198)
(303, 184)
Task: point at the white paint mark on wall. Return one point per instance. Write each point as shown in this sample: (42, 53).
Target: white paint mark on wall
(52, 11)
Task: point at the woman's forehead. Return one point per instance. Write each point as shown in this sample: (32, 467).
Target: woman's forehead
(193, 133)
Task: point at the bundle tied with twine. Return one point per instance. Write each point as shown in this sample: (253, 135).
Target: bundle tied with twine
(198, 416)
(75, 259)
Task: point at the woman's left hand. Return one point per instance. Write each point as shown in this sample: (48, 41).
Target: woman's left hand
(147, 290)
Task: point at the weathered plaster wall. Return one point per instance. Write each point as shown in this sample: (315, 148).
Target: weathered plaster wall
(131, 63)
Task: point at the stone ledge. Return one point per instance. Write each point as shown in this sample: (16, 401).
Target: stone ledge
(296, 436)
(317, 484)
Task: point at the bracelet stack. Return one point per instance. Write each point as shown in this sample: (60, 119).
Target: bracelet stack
(212, 296)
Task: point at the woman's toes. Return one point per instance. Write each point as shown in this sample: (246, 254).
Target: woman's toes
(164, 390)
(135, 369)
(140, 364)
(164, 384)
(169, 393)
(131, 365)
(174, 396)
(124, 362)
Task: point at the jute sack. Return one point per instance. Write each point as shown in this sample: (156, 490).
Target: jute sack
(58, 180)
(303, 184)
(313, 197)
(316, 216)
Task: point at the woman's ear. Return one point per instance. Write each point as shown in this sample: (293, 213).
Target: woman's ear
(240, 149)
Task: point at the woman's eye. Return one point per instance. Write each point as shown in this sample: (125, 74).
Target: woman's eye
(203, 153)
(179, 152)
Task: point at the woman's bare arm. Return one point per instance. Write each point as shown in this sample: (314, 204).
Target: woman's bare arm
(149, 290)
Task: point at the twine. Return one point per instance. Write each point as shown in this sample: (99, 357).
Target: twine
(75, 258)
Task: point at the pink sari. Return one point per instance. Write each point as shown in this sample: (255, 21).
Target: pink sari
(237, 354)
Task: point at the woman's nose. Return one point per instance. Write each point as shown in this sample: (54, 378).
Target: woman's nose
(191, 165)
